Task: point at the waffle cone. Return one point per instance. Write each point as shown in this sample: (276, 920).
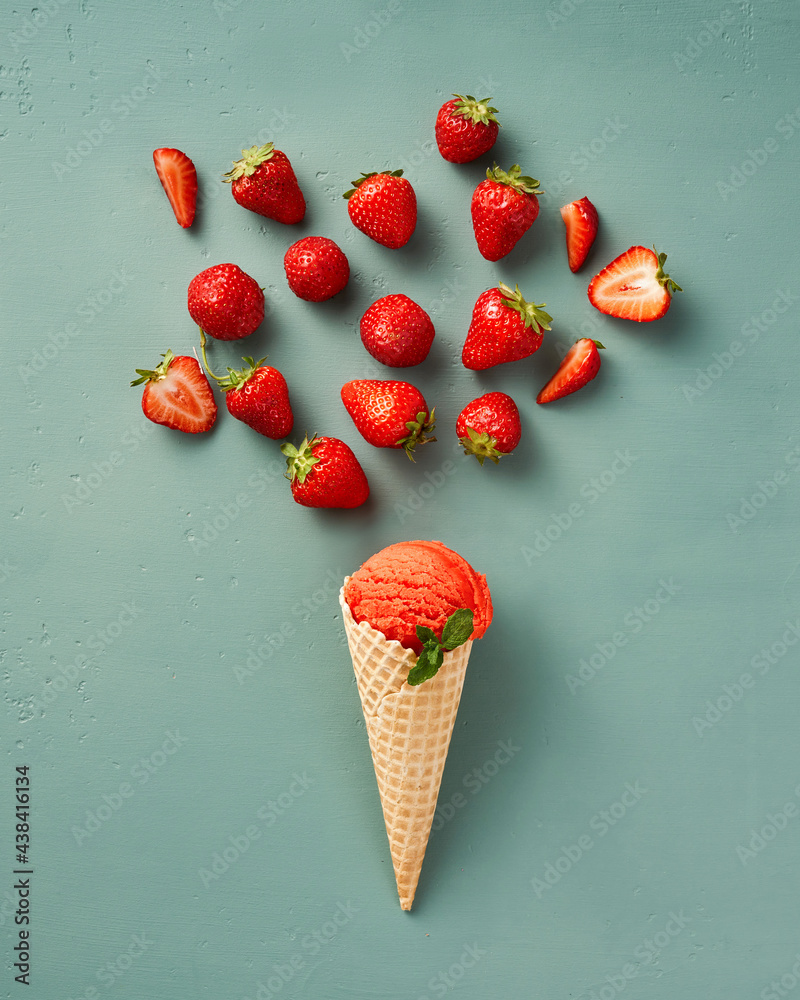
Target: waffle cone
(409, 731)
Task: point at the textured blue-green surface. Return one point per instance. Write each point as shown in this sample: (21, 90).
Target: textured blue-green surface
(205, 820)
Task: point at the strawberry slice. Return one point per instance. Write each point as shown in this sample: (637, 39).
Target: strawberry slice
(580, 365)
(634, 286)
(178, 395)
(179, 179)
(580, 218)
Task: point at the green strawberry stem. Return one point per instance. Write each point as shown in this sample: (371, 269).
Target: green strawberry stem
(514, 179)
(474, 111)
(419, 432)
(533, 315)
(664, 279)
(252, 159)
(148, 375)
(206, 365)
(236, 377)
(457, 630)
(373, 173)
(300, 461)
(482, 446)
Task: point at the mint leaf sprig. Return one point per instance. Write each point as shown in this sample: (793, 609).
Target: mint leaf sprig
(457, 629)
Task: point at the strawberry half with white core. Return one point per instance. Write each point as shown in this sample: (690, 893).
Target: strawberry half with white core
(580, 218)
(178, 395)
(489, 427)
(179, 179)
(634, 286)
(466, 128)
(580, 365)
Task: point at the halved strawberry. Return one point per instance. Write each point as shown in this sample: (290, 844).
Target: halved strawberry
(580, 365)
(178, 395)
(179, 179)
(634, 286)
(580, 218)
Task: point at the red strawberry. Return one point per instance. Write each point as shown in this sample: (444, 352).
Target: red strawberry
(504, 328)
(389, 414)
(178, 395)
(489, 427)
(466, 128)
(504, 207)
(634, 286)
(580, 365)
(264, 182)
(225, 302)
(324, 472)
(580, 218)
(397, 332)
(316, 269)
(179, 179)
(259, 397)
(383, 205)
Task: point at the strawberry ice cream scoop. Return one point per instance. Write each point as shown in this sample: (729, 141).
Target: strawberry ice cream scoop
(417, 583)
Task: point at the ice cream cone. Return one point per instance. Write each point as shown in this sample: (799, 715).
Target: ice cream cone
(409, 731)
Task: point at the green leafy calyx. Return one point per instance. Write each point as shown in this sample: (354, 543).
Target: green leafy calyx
(251, 160)
(457, 630)
(664, 279)
(515, 179)
(374, 173)
(419, 432)
(533, 315)
(300, 461)
(237, 377)
(477, 112)
(157, 373)
(481, 445)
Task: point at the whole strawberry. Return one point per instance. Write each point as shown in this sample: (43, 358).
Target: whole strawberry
(504, 207)
(264, 182)
(466, 128)
(324, 472)
(389, 414)
(259, 397)
(383, 205)
(316, 269)
(489, 427)
(504, 328)
(397, 332)
(178, 395)
(225, 302)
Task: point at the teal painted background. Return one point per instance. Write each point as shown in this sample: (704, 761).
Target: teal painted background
(182, 692)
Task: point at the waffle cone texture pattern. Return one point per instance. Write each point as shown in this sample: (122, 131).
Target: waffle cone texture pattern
(409, 730)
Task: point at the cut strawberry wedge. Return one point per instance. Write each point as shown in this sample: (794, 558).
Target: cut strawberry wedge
(634, 286)
(580, 218)
(178, 395)
(580, 365)
(179, 179)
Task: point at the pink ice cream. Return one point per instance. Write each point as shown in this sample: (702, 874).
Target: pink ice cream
(417, 583)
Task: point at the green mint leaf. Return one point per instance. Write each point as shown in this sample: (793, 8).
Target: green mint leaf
(425, 634)
(424, 669)
(458, 628)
